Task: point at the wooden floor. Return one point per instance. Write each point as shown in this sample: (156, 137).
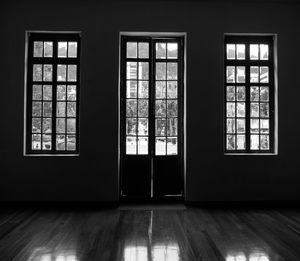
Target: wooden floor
(150, 235)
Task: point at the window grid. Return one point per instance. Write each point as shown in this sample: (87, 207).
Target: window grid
(258, 98)
(53, 64)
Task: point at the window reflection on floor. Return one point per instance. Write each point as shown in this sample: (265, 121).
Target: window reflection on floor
(135, 253)
(46, 254)
(165, 253)
(251, 257)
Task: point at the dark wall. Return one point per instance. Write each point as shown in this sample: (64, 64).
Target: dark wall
(94, 174)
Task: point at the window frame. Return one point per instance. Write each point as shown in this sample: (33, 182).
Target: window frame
(55, 37)
(247, 39)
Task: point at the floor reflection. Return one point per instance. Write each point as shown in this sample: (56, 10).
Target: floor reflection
(165, 252)
(159, 252)
(251, 257)
(45, 254)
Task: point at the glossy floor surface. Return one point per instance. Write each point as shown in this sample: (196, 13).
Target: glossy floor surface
(150, 235)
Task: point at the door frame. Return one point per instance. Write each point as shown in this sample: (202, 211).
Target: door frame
(184, 92)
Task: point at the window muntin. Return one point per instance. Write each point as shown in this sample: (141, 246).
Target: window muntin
(52, 93)
(249, 94)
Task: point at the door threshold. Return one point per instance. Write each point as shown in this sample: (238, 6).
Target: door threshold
(152, 207)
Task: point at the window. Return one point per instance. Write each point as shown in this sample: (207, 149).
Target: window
(249, 94)
(52, 93)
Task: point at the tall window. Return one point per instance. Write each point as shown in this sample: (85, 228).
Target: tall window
(52, 93)
(249, 94)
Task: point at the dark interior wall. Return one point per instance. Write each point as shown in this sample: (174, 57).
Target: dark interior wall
(94, 174)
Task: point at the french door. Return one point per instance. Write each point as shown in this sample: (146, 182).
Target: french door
(151, 117)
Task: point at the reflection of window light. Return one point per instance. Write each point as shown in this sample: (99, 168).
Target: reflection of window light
(258, 257)
(46, 257)
(236, 257)
(135, 253)
(165, 253)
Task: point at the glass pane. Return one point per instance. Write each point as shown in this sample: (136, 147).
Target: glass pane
(264, 51)
(72, 73)
(172, 50)
(47, 76)
(230, 50)
(47, 109)
(71, 142)
(72, 50)
(230, 142)
(48, 49)
(61, 125)
(241, 93)
(37, 73)
(72, 92)
(36, 125)
(37, 92)
(160, 127)
(240, 109)
(36, 142)
(160, 108)
(230, 94)
(131, 70)
(264, 110)
(160, 71)
(161, 50)
(131, 124)
(172, 108)
(253, 51)
(71, 125)
(264, 74)
(160, 146)
(131, 89)
(131, 108)
(71, 109)
(61, 72)
(172, 146)
(230, 125)
(172, 89)
(61, 92)
(142, 145)
(62, 49)
(60, 109)
(47, 125)
(142, 108)
(143, 50)
(264, 94)
(230, 72)
(130, 145)
(254, 142)
(36, 109)
(254, 125)
(264, 126)
(60, 142)
(230, 109)
(37, 49)
(143, 89)
(142, 126)
(131, 50)
(240, 50)
(172, 71)
(254, 109)
(253, 73)
(240, 75)
(47, 92)
(144, 71)
(240, 142)
(172, 126)
(264, 142)
(160, 89)
(46, 142)
(241, 126)
(254, 94)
